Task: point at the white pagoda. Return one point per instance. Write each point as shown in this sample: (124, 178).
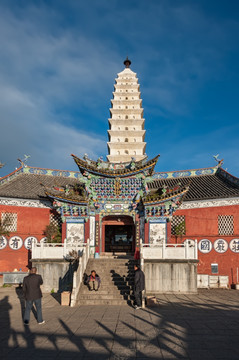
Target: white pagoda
(126, 125)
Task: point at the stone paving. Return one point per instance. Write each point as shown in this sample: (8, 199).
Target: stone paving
(202, 326)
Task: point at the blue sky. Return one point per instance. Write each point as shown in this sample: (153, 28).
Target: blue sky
(59, 59)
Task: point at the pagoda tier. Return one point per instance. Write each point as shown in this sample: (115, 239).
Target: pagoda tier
(126, 133)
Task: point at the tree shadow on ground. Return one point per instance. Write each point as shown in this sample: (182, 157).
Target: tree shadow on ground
(181, 327)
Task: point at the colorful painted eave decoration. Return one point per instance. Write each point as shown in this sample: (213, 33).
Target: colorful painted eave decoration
(67, 200)
(40, 171)
(147, 201)
(107, 169)
(185, 173)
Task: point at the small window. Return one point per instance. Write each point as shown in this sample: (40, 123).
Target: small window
(9, 221)
(118, 140)
(126, 98)
(126, 117)
(134, 140)
(225, 224)
(126, 140)
(214, 268)
(126, 128)
(118, 128)
(126, 151)
(126, 107)
(178, 227)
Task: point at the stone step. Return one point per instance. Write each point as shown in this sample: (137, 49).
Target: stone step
(120, 272)
(111, 262)
(103, 302)
(97, 296)
(117, 280)
(107, 290)
(117, 287)
(109, 268)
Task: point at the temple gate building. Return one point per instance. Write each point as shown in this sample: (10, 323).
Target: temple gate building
(116, 203)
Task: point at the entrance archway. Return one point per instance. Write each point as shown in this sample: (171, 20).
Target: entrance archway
(118, 234)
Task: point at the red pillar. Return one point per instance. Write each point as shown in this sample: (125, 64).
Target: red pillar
(87, 230)
(63, 231)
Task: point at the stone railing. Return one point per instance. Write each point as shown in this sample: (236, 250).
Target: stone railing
(54, 250)
(188, 251)
(78, 275)
(53, 260)
(161, 257)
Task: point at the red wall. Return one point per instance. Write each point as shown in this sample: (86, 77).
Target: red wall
(202, 224)
(30, 222)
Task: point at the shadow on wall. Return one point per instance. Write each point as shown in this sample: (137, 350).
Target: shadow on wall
(66, 283)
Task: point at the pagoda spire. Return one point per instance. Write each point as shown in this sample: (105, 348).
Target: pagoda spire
(126, 132)
(127, 63)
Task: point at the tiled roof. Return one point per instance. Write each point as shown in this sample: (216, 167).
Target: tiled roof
(25, 185)
(31, 183)
(218, 185)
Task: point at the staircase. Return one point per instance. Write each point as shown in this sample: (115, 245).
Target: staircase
(117, 279)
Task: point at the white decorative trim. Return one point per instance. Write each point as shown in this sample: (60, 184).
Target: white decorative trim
(26, 202)
(208, 203)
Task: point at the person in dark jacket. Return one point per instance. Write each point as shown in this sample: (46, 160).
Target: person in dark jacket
(139, 286)
(93, 281)
(32, 293)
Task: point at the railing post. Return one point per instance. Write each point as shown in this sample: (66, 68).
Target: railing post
(141, 252)
(41, 249)
(87, 249)
(64, 248)
(163, 250)
(186, 249)
(195, 249)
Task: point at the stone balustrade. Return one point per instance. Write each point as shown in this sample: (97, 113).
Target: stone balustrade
(55, 250)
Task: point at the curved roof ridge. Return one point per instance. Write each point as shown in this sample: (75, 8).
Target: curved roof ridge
(34, 170)
(231, 178)
(185, 173)
(13, 174)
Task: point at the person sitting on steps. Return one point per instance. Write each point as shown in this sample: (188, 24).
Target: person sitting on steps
(93, 281)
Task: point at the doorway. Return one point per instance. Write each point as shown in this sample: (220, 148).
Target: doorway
(118, 234)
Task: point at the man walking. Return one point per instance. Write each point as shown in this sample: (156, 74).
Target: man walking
(139, 286)
(32, 293)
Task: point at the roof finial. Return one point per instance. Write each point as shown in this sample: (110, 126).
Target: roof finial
(127, 62)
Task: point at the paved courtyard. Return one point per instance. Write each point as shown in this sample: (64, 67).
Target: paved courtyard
(202, 326)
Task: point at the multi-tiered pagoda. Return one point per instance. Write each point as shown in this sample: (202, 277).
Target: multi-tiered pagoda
(126, 133)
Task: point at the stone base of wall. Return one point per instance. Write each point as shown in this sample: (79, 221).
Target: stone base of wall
(57, 274)
(170, 276)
